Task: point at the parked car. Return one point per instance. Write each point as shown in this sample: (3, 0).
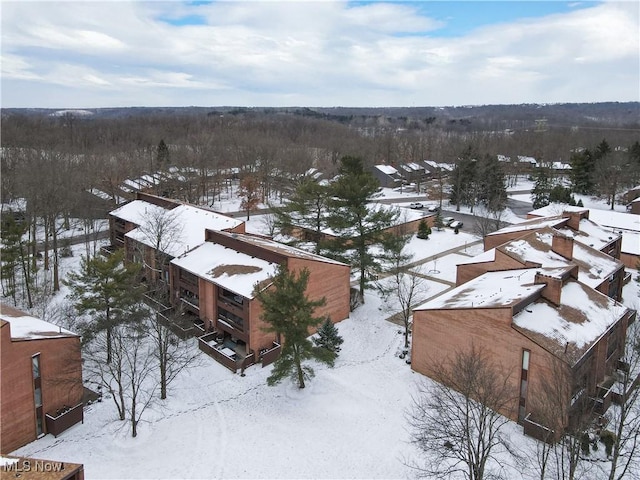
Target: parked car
(446, 221)
(416, 205)
(456, 224)
(434, 208)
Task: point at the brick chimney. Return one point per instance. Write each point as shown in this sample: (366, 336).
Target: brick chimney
(553, 289)
(574, 218)
(562, 245)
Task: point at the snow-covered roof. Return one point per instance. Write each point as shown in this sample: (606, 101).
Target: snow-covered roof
(443, 166)
(405, 215)
(525, 159)
(286, 250)
(414, 166)
(488, 256)
(186, 223)
(137, 210)
(26, 327)
(532, 224)
(591, 234)
(582, 318)
(387, 169)
(228, 268)
(560, 166)
(490, 290)
(593, 266)
(606, 218)
(100, 194)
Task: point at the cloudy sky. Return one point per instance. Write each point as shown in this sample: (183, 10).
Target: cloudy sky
(317, 53)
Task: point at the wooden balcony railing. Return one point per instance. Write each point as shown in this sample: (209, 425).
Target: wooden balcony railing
(209, 344)
(270, 355)
(537, 430)
(59, 422)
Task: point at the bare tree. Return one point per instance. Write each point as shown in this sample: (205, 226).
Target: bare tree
(625, 420)
(162, 232)
(487, 221)
(173, 354)
(454, 421)
(401, 286)
(249, 193)
(139, 365)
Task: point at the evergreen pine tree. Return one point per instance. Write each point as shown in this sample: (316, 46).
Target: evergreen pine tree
(162, 156)
(542, 189)
(289, 313)
(492, 192)
(423, 230)
(307, 209)
(582, 171)
(359, 226)
(109, 291)
(438, 223)
(328, 337)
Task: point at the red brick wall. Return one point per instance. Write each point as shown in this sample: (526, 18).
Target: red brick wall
(470, 271)
(328, 280)
(61, 374)
(438, 334)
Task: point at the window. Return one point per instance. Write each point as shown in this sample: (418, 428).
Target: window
(231, 297)
(524, 384)
(230, 318)
(612, 343)
(37, 394)
(35, 366)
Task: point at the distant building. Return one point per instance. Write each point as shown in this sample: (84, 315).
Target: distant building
(388, 176)
(40, 379)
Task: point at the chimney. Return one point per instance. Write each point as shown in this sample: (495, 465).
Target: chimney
(553, 289)
(574, 218)
(562, 245)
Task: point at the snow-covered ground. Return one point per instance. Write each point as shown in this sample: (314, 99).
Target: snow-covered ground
(348, 423)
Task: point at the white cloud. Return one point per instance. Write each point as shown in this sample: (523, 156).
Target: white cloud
(311, 53)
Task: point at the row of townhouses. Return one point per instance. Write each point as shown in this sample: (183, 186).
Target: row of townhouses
(543, 298)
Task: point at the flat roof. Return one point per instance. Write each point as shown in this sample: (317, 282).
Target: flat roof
(25, 327)
(226, 267)
(185, 225)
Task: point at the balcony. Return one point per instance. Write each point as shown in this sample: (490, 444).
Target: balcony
(233, 358)
(270, 355)
(537, 430)
(64, 419)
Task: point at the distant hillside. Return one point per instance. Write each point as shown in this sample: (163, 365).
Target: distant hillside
(481, 117)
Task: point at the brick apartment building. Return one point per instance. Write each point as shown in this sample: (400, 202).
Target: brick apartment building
(216, 282)
(150, 225)
(611, 222)
(547, 246)
(40, 379)
(537, 323)
(209, 270)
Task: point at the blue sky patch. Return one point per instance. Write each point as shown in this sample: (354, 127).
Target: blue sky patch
(461, 17)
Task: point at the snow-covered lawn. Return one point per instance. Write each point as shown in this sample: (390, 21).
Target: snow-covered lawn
(348, 423)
